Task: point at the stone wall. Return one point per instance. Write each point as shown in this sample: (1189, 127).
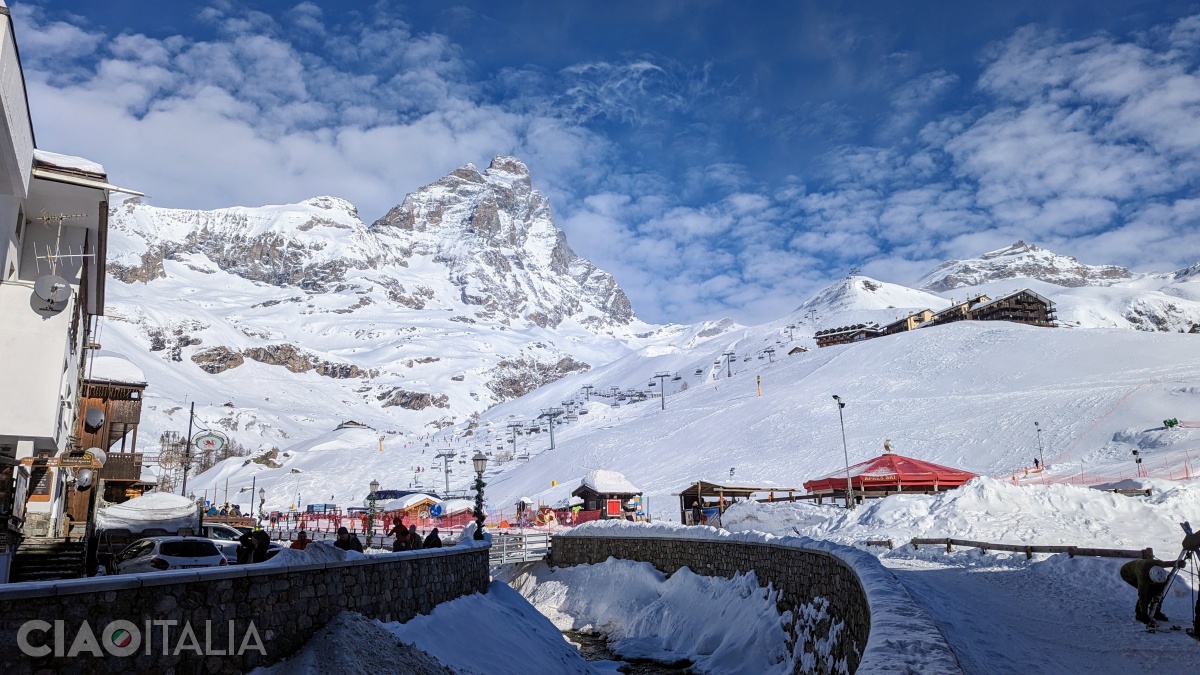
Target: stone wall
(835, 606)
(279, 606)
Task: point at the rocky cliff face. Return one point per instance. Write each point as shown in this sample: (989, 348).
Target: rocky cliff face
(1021, 260)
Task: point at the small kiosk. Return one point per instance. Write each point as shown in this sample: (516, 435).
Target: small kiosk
(714, 498)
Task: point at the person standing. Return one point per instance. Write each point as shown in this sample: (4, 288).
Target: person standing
(347, 541)
(414, 539)
(301, 542)
(433, 540)
(245, 550)
(262, 544)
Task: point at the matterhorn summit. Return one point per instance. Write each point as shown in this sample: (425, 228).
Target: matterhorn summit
(1025, 261)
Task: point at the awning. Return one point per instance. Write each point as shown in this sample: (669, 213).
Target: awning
(57, 177)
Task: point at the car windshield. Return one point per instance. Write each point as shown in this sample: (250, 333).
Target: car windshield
(222, 533)
(192, 548)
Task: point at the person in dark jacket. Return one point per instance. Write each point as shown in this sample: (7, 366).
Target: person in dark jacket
(414, 539)
(433, 540)
(1149, 577)
(245, 551)
(262, 544)
(347, 541)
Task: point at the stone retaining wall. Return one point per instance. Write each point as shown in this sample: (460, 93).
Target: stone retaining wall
(280, 606)
(828, 596)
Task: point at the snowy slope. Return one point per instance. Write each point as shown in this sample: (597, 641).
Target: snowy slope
(965, 395)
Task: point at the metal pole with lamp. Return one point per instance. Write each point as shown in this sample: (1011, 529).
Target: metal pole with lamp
(846, 451)
(371, 512)
(480, 461)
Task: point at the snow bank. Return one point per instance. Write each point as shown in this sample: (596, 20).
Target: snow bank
(109, 366)
(993, 511)
(163, 510)
(518, 640)
(722, 625)
(902, 639)
(355, 645)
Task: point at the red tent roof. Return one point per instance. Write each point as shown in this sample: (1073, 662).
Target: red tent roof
(890, 471)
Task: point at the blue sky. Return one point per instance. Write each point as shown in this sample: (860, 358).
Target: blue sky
(719, 158)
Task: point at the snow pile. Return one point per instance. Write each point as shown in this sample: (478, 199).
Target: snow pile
(315, 552)
(991, 511)
(517, 639)
(649, 616)
(609, 482)
(355, 645)
(161, 510)
(902, 635)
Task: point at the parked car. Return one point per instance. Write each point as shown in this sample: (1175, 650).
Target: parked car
(168, 553)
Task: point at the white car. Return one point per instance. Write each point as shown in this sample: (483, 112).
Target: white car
(168, 553)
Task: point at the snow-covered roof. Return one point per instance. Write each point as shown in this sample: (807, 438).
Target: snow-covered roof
(609, 482)
(68, 162)
(408, 501)
(112, 367)
(452, 506)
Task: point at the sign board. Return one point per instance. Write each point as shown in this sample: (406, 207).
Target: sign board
(436, 510)
(78, 460)
(210, 441)
(39, 479)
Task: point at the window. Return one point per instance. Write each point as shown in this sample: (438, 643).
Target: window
(189, 548)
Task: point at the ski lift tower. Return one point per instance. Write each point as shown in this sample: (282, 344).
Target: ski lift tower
(662, 376)
(791, 327)
(446, 455)
(587, 391)
(729, 357)
(770, 352)
(514, 428)
(551, 414)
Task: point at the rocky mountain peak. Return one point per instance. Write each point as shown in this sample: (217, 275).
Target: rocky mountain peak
(1021, 260)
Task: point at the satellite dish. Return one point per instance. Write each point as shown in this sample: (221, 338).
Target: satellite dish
(83, 479)
(99, 455)
(93, 420)
(51, 288)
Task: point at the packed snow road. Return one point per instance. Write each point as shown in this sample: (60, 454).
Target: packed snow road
(1005, 615)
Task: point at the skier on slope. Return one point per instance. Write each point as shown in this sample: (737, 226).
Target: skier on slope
(1149, 577)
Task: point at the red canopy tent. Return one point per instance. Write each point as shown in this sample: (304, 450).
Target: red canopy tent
(890, 472)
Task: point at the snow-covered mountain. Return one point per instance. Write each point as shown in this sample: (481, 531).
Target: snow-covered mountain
(1021, 261)
(283, 321)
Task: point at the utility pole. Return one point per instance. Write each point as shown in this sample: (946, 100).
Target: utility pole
(729, 356)
(187, 452)
(662, 387)
(845, 449)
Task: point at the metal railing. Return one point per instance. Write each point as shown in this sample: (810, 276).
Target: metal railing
(519, 546)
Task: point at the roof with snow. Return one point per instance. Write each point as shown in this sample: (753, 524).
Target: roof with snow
(68, 162)
(112, 367)
(609, 482)
(890, 471)
(409, 501)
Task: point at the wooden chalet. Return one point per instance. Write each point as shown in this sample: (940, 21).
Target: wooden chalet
(609, 492)
(910, 322)
(847, 334)
(1023, 306)
(715, 497)
(111, 409)
(956, 312)
(797, 350)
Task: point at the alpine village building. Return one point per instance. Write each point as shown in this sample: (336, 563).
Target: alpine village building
(1023, 306)
(53, 238)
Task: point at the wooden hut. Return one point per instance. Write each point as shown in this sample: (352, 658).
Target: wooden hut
(609, 492)
(714, 497)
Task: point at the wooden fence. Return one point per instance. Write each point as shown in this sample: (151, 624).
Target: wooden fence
(1028, 550)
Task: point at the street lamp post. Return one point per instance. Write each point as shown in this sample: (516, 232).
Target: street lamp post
(1041, 455)
(846, 451)
(262, 500)
(480, 461)
(371, 512)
